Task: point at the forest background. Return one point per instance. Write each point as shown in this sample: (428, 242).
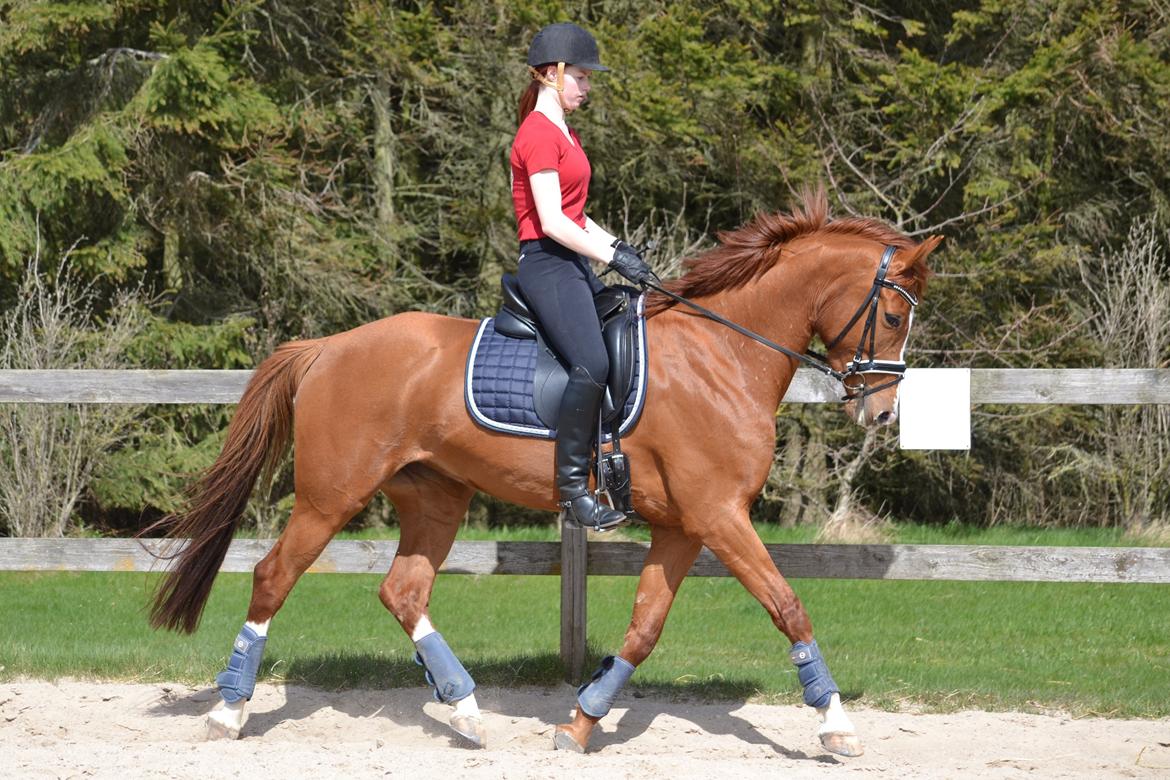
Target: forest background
(186, 185)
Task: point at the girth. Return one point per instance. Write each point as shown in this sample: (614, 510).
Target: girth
(618, 319)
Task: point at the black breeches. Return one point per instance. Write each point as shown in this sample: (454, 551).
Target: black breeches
(559, 286)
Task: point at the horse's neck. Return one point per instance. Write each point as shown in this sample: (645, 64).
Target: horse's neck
(779, 307)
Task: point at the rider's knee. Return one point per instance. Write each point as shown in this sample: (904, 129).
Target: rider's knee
(597, 367)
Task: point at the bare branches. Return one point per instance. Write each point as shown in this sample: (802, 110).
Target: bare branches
(48, 453)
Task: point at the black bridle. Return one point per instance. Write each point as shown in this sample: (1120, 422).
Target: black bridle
(857, 367)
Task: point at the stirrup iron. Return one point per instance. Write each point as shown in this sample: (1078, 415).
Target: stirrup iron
(569, 517)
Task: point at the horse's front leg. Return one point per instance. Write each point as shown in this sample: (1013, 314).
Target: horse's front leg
(667, 562)
(738, 546)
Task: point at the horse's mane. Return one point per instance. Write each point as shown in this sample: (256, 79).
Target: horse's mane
(745, 254)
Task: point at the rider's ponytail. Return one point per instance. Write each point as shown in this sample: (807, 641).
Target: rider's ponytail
(528, 99)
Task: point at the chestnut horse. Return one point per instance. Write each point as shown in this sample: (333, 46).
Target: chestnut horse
(381, 407)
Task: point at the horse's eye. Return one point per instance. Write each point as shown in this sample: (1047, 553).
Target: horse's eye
(893, 320)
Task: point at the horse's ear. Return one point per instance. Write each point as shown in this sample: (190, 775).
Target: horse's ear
(914, 271)
(923, 250)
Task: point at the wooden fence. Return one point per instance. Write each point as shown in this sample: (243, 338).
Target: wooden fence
(813, 561)
(574, 557)
(988, 386)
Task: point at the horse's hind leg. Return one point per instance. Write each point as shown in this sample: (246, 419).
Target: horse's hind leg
(667, 563)
(310, 527)
(430, 507)
(738, 546)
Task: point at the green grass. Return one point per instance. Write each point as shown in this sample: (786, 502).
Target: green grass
(1084, 648)
(957, 533)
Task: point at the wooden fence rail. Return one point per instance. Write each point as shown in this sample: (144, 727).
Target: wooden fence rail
(988, 386)
(573, 557)
(813, 561)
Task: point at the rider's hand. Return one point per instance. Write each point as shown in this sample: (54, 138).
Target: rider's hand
(627, 262)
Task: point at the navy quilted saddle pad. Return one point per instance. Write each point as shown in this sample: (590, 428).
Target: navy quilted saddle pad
(500, 377)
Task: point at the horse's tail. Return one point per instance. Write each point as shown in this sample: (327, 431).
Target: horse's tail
(257, 439)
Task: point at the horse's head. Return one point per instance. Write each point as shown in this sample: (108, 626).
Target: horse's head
(860, 277)
(865, 321)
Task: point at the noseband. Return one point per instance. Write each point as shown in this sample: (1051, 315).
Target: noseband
(857, 367)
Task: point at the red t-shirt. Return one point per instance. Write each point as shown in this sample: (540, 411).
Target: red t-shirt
(540, 145)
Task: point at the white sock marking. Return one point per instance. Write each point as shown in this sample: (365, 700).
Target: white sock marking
(467, 707)
(422, 629)
(833, 718)
(230, 716)
(261, 629)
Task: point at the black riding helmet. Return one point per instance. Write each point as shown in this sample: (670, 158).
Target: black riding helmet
(565, 42)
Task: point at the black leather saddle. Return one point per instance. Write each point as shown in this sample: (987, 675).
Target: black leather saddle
(619, 319)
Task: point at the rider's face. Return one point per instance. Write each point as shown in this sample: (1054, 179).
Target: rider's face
(577, 87)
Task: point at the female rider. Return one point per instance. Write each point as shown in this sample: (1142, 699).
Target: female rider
(550, 182)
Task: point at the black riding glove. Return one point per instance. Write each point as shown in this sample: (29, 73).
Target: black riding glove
(627, 262)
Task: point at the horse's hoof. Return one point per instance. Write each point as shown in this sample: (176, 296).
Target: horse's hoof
(563, 740)
(842, 744)
(217, 730)
(470, 728)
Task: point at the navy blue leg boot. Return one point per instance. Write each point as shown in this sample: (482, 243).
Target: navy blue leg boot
(238, 681)
(836, 733)
(452, 685)
(236, 685)
(595, 699)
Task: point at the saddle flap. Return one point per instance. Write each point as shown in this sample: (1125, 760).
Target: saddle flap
(548, 383)
(618, 335)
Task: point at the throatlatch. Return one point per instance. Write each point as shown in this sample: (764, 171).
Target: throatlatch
(238, 681)
(596, 696)
(813, 673)
(443, 670)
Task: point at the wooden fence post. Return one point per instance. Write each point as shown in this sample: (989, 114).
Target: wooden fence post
(574, 561)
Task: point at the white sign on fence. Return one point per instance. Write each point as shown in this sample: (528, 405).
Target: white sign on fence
(934, 409)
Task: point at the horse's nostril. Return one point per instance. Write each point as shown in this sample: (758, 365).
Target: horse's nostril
(885, 418)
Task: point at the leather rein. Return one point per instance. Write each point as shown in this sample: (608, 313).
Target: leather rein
(857, 367)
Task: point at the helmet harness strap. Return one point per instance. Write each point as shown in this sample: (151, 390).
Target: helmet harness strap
(558, 85)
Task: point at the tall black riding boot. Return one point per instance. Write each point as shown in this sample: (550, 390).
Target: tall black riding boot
(576, 428)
